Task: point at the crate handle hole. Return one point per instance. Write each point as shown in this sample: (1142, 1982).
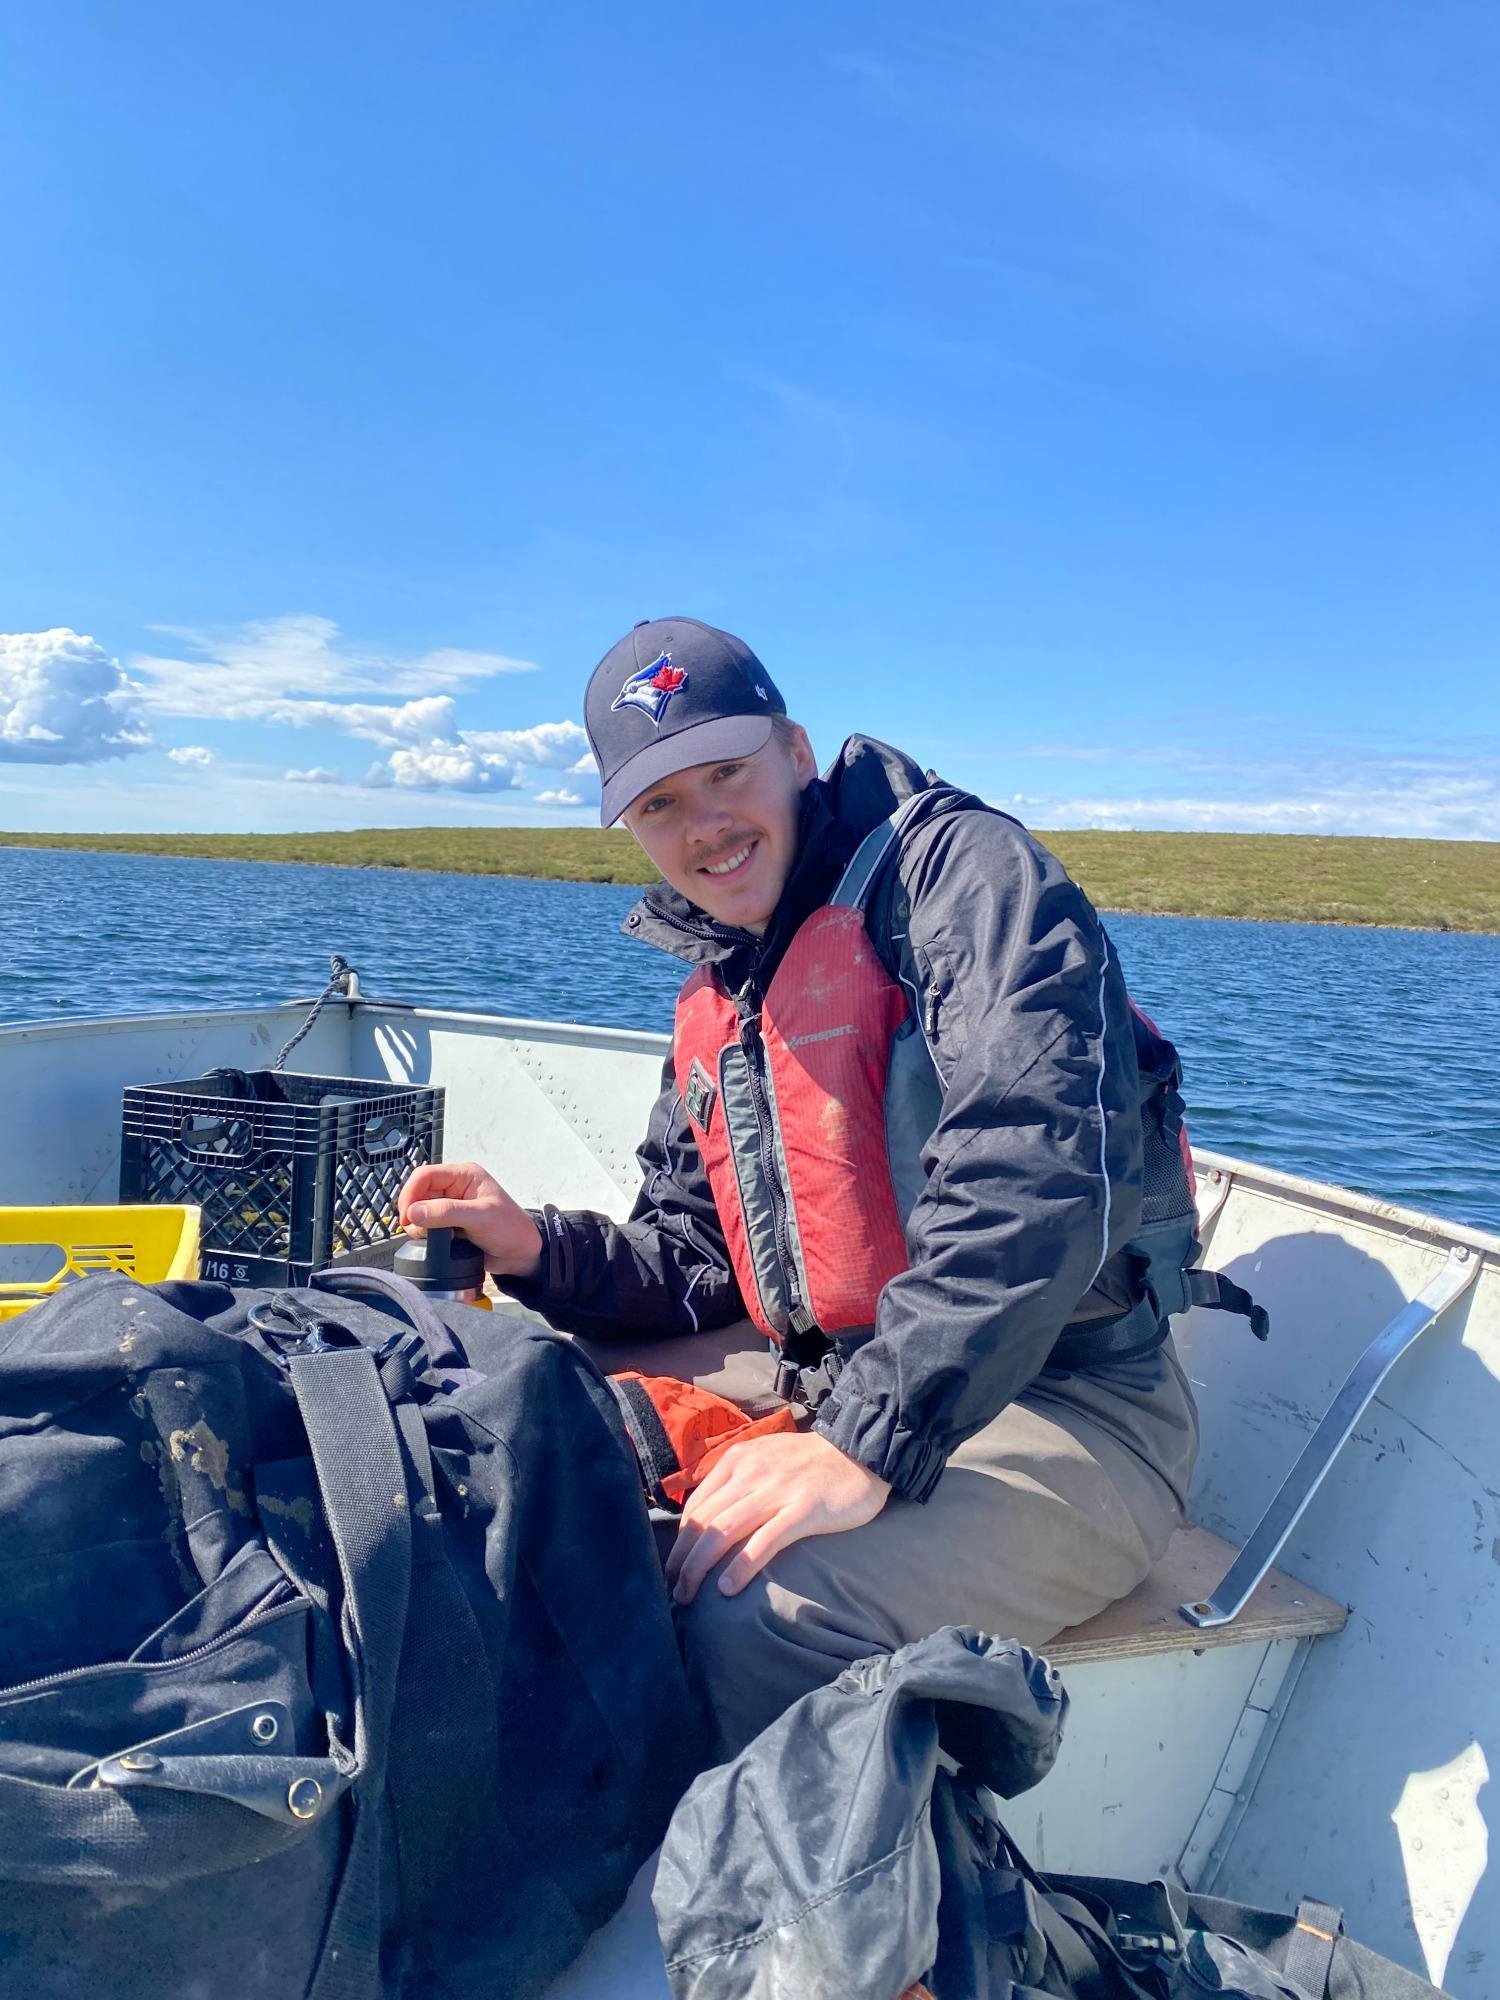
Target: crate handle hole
(385, 1135)
(214, 1138)
(31, 1263)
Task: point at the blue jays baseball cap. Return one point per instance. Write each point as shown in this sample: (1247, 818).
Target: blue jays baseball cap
(673, 692)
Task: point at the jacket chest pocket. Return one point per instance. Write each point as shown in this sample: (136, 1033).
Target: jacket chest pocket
(942, 1000)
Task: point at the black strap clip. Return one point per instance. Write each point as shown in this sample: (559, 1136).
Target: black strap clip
(807, 1384)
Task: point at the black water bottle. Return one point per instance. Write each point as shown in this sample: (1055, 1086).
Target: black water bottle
(445, 1265)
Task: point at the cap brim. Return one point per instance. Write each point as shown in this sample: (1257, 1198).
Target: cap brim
(704, 743)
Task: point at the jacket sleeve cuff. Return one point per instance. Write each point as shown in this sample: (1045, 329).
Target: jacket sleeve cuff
(556, 1276)
(879, 1441)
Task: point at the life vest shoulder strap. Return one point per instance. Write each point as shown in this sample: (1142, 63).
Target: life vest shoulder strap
(858, 879)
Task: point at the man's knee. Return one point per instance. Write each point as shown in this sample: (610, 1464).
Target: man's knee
(729, 1645)
(752, 1655)
(728, 1638)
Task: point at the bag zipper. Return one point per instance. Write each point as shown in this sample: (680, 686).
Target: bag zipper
(251, 1624)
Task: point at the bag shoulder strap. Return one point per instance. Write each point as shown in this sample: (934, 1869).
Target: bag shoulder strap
(1311, 1945)
(365, 1499)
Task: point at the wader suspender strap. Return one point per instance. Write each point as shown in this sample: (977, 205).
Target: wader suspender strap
(1310, 1947)
(352, 1434)
(1221, 1294)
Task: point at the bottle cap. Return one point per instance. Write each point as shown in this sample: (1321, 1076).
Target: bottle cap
(444, 1260)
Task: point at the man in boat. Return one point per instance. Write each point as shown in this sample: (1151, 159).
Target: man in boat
(921, 1169)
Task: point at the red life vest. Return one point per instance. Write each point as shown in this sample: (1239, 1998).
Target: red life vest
(788, 1107)
(811, 1115)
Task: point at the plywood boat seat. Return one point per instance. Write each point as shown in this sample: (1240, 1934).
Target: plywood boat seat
(1148, 1620)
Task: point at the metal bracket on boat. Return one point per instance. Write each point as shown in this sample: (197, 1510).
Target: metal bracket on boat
(1270, 1533)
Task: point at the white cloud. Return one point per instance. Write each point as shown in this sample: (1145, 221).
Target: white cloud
(585, 767)
(446, 767)
(63, 700)
(295, 672)
(1429, 805)
(481, 760)
(554, 745)
(236, 674)
(429, 719)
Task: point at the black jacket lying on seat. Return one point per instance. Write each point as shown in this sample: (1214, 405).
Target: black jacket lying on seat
(853, 1848)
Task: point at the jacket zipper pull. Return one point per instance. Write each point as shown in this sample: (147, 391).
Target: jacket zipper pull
(934, 1001)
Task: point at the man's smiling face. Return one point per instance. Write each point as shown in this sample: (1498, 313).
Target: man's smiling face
(725, 835)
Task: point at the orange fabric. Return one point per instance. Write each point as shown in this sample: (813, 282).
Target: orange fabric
(701, 1426)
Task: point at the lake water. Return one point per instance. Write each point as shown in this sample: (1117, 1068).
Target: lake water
(1364, 1057)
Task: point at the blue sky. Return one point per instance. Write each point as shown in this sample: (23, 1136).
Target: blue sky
(1098, 400)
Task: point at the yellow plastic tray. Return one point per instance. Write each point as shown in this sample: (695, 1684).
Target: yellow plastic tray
(144, 1242)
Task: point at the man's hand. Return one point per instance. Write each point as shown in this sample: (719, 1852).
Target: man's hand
(766, 1494)
(463, 1196)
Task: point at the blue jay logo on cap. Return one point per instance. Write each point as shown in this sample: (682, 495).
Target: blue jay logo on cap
(652, 688)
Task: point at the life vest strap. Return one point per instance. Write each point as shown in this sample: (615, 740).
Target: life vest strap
(854, 885)
(809, 1364)
(1142, 1328)
(807, 1383)
(1099, 1343)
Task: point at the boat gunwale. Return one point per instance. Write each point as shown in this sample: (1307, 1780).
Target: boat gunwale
(1439, 1231)
(168, 1017)
(1300, 1191)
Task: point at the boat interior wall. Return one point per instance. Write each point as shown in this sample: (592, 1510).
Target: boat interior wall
(61, 1085)
(555, 1113)
(1406, 1530)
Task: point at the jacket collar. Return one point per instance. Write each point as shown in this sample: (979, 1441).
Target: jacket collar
(864, 785)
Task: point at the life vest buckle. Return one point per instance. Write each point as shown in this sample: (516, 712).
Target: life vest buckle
(808, 1383)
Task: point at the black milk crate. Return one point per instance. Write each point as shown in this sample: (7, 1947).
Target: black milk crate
(291, 1172)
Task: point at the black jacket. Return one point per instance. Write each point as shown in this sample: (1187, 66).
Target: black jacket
(1034, 1166)
(854, 1847)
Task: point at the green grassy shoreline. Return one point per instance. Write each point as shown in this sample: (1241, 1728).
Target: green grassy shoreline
(1441, 885)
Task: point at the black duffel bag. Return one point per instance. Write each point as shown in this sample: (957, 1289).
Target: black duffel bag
(336, 1657)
